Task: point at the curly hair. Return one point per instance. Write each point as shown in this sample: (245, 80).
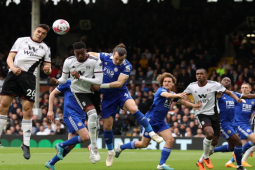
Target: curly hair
(161, 78)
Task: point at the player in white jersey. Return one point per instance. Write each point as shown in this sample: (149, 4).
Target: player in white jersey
(208, 116)
(26, 55)
(85, 71)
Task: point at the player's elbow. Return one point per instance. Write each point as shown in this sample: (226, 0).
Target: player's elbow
(119, 85)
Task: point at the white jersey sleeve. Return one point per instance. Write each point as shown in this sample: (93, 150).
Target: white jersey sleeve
(98, 67)
(47, 57)
(188, 89)
(65, 72)
(218, 87)
(16, 46)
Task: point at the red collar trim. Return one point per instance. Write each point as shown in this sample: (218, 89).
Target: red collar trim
(203, 85)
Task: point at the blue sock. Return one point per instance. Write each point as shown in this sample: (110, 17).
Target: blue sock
(108, 137)
(130, 145)
(164, 155)
(73, 141)
(55, 159)
(232, 159)
(238, 154)
(143, 121)
(223, 148)
(247, 146)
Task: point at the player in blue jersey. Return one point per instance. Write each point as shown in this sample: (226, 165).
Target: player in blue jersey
(243, 112)
(116, 70)
(163, 99)
(228, 128)
(74, 118)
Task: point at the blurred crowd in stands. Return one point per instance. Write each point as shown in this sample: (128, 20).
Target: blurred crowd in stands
(162, 39)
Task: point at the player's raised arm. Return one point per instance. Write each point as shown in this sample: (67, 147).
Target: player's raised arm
(64, 76)
(231, 94)
(94, 54)
(50, 114)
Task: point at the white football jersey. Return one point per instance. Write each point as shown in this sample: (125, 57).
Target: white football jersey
(87, 69)
(207, 95)
(30, 54)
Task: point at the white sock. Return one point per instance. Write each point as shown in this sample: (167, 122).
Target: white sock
(27, 129)
(3, 120)
(92, 126)
(247, 153)
(98, 127)
(211, 149)
(206, 144)
(201, 158)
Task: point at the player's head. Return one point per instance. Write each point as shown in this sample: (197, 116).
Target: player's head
(119, 54)
(80, 51)
(201, 75)
(226, 82)
(246, 88)
(166, 80)
(40, 32)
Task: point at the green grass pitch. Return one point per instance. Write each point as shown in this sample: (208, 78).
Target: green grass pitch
(78, 159)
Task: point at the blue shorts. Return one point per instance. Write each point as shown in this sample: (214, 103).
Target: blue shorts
(111, 102)
(74, 123)
(156, 126)
(228, 130)
(244, 131)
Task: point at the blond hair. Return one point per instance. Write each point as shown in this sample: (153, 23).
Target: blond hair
(161, 78)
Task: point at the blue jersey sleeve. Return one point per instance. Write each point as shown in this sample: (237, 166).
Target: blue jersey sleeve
(104, 55)
(237, 94)
(126, 70)
(64, 87)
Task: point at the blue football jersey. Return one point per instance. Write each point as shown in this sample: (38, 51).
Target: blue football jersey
(160, 106)
(243, 111)
(227, 108)
(112, 71)
(71, 107)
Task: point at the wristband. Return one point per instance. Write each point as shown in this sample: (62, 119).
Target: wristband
(105, 86)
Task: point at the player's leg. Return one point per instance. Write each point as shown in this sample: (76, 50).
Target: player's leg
(26, 125)
(108, 137)
(206, 124)
(130, 106)
(5, 102)
(51, 164)
(134, 144)
(247, 154)
(166, 151)
(75, 125)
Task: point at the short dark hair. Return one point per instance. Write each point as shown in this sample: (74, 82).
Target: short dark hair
(44, 26)
(121, 49)
(79, 45)
(203, 70)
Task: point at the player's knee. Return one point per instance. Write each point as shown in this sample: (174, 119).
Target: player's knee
(209, 135)
(231, 147)
(144, 145)
(238, 143)
(170, 141)
(84, 137)
(92, 115)
(133, 109)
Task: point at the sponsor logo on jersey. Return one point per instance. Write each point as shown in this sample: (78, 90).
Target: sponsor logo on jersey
(202, 95)
(115, 69)
(73, 67)
(40, 46)
(127, 69)
(81, 72)
(32, 48)
(108, 72)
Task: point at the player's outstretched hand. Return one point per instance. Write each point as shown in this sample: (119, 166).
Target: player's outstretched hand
(197, 106)
(53, 80)
(75, 74)
(240, 101)
(50, 116)
(182, 95)
(46, 69)
(16, 70)
(94, 87)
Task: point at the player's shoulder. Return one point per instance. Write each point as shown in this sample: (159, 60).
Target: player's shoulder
(127, 65)
(193, 83)
(70, 58)
(212, 82)
(93, 58)
(105, 54)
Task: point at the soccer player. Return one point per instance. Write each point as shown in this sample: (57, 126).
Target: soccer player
(206, 91)
(83, 68)
(156, 115)
(26, 55)
(228, 127)
(243, 112)
(116, 71)
(74, 118)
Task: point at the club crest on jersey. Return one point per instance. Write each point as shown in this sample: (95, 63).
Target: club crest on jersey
(87, 67)
(252, 103)
(229, 131)
(115, 69)
(208, 89)
(248, 130)
(79, 124)
(105, 63)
